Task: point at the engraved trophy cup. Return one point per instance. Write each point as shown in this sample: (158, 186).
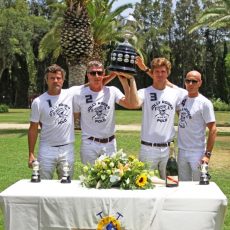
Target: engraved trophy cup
(35, 174)
(124, 56)
(204, 177)
(65, 169)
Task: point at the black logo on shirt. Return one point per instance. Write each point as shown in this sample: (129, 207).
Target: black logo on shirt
(60, 113)
(184, 116)
(161, 110)
(100, 111)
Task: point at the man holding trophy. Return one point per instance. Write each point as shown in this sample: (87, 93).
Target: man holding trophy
(96, 103)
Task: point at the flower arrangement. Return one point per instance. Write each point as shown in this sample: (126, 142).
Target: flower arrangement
(117, 170)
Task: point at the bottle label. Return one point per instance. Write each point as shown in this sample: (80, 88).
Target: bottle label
(172, 180)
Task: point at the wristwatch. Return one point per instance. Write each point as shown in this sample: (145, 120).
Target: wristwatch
(208, 154)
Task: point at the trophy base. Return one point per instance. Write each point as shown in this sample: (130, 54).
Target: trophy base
(124, 69)
(66, 180)
(35, 179)
(204, 182)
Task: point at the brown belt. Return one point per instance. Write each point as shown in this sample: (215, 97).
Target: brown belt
(102, 140)
(155, 144)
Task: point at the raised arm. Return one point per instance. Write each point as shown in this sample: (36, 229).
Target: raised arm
(131, 100)
(140, 63)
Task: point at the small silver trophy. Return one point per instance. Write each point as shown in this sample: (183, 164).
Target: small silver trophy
(35, 174)
(204, 177)
(65, 169)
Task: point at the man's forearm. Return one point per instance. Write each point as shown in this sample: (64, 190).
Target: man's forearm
(134, 99)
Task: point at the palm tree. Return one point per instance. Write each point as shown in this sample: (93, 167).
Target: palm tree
(216, 16)
(81, 33)
(104, 24)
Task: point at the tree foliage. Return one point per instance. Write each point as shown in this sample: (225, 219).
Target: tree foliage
(191, 34)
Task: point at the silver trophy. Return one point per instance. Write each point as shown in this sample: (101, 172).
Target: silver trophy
(65, 169)
(124, 56)
(35, 174)
(204, 177)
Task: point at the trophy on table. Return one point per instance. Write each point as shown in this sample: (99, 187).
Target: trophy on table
(65, 169)
(124, 56)
(35, 174)
(204, 177)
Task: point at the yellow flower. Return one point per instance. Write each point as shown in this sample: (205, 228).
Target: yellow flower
(121, 169)
(141, 180)
(131, 158)
(85, 169)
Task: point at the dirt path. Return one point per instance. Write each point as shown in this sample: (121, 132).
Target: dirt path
(118, 127)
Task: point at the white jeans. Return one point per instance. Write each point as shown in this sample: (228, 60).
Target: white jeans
(157, 157)
(51, 158)
(91, 150)
(188, 165)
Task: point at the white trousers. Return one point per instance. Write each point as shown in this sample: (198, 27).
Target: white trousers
(156, 157)
(188, 165)
(91, 150)
(51, 158)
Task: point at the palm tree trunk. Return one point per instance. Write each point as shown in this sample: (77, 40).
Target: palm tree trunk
(77, 74)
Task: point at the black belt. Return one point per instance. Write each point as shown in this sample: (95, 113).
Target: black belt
(59, 145)
(103, 140)
(155, 144)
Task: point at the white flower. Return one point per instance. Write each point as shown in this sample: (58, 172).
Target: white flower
(82, 178)
(102, 157)
(111, 164)
(127, 181)
(114, 178)
(98, 184)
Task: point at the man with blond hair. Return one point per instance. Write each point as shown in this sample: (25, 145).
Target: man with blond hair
(159, 103)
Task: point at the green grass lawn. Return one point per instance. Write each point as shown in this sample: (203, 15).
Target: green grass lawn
(14, 155)
(123, 117)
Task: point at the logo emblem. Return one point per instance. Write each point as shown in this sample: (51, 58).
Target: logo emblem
(109, 222)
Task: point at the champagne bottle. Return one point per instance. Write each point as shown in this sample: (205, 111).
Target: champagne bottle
(171, 179)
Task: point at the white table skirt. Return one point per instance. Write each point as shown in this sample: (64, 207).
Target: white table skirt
(50, 205)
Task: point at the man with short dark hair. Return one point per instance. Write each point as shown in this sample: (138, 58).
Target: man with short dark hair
(54, 113)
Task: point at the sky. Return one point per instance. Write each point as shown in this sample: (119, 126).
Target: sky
(122, 2)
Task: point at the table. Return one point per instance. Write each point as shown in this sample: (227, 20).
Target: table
(50, 205)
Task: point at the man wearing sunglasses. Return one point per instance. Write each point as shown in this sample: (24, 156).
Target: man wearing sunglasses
(196, 113)
(96, 103)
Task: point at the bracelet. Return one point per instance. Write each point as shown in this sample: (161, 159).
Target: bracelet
(146, 70)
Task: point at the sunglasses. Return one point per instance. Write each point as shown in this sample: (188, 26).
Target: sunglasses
(99, 73)
(188, 81)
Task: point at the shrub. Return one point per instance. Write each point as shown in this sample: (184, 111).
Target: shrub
(4, 108)
(220, 105)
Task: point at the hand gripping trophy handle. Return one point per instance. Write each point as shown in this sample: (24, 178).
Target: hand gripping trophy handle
(35, 174)
(65, 169)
